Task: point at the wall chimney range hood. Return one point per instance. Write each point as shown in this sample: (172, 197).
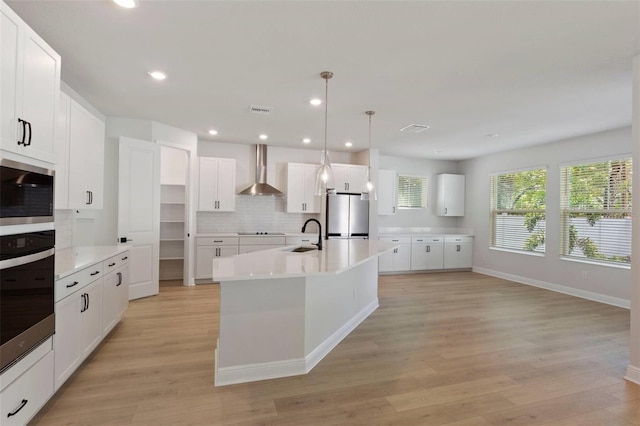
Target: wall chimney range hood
(261, 187)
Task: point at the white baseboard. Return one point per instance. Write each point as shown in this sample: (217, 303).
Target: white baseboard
(633, 374)
(596, 297)
(290, 367)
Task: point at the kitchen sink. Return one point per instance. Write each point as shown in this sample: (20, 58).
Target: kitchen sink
(303, 249)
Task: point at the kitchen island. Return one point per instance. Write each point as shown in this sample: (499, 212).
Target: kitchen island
(282, 311)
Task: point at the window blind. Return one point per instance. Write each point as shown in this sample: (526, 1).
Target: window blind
(412, 191)
(596, 211)
(518, 203)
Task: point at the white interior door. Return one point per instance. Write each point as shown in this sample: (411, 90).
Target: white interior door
(139, 213)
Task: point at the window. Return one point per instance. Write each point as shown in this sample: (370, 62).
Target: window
(518, 202)
(596, 211)
(412, 192)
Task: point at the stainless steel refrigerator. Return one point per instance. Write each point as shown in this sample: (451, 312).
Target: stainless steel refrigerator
(347, 216)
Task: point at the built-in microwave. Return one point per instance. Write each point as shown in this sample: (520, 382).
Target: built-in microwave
(27, 193)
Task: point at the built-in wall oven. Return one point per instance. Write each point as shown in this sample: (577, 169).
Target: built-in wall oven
(27, 193)
(26, 293)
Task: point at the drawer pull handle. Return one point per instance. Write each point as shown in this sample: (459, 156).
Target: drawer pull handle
(395, 241)
(217, 241)
(94, 273)
(22, 404)
(75, 283)
(125, 258)
(112, 264)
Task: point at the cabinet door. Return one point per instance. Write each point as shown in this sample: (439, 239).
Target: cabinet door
(419, 257)
(226, 185)
(110, 301)
(91, 317)
(204, 261)
(385, 262)
(450, 195)
(312, 202)
(402, 258)
(225, 251)
(465, 256)
(387, 183)
(86, 159)
(435, 256)
(296, 185)
(62, 153)
(9, 39)
(340, 177)
(123, 290)
(40, 94)
(207, 184)
(356, 178)
(451, 256)
(67, 337)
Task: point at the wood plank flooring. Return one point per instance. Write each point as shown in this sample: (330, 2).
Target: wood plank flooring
(456, 348)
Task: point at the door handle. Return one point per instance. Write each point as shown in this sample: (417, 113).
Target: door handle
(445, 210)
(119, 279)
(84, 303)
(29, 142)
(394, 209)
(88, 197)
(458, 247)
(17, 410)
(428, 249)
(125, 240)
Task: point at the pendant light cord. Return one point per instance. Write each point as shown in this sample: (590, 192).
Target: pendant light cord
(326, 108)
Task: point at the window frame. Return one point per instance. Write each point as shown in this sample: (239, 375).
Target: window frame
(566, 211)
(425, 191)
(494, 212)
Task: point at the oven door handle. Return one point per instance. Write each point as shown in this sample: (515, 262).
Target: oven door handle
(23, 260)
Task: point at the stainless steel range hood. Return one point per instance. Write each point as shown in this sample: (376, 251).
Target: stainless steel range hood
(261, 187)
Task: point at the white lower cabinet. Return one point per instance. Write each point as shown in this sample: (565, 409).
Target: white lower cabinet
(427, 253)
(458, 252)
(208, 248)
(24, 397)
(397, 260)
(87, 307)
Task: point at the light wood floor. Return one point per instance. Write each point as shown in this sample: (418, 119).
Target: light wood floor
(453, 348)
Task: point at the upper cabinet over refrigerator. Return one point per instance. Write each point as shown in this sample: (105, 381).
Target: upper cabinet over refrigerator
(450, 194)
(30, 77)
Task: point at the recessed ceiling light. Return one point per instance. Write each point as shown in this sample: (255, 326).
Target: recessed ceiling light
(213, 132)
(127, 4)
(263, 137)
(315, 101)
(348, 144)
(306, 140)
(157, 75)
(491, 135)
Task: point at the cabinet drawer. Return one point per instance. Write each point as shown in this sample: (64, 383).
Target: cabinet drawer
(112, 264)
(427, 240)
(250, 241)
(458, 239)
(397, 240)
(70, 284)
(22, 399)
(301, 240)
(217, 241)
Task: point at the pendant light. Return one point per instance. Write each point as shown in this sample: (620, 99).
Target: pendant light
(324, 177)
(369, 191)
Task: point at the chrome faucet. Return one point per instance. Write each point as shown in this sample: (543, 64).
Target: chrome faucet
(319, 231)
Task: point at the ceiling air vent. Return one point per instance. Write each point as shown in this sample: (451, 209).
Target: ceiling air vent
(415, 128)
(258, 109)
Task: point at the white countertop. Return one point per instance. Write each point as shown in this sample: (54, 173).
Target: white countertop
(72, 259)
(336, 256)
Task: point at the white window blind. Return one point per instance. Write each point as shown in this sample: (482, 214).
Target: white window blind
(518, 203)
(596, 211)
(412, 191)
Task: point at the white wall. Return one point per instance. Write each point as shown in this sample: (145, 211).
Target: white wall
(609, 284)
(418, 218)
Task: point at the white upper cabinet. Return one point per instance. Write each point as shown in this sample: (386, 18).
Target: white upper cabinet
(30, 76)
(83, 161)
(450, 193)
(349, 177)
(387, 197)
(301, 181)
(217, 184)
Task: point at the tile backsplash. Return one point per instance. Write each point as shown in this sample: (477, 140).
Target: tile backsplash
(253, 214)
(63, 222)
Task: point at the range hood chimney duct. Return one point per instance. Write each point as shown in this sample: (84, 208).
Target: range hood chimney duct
(261, 187)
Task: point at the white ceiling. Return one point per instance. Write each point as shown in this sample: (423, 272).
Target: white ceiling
(532, 72)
